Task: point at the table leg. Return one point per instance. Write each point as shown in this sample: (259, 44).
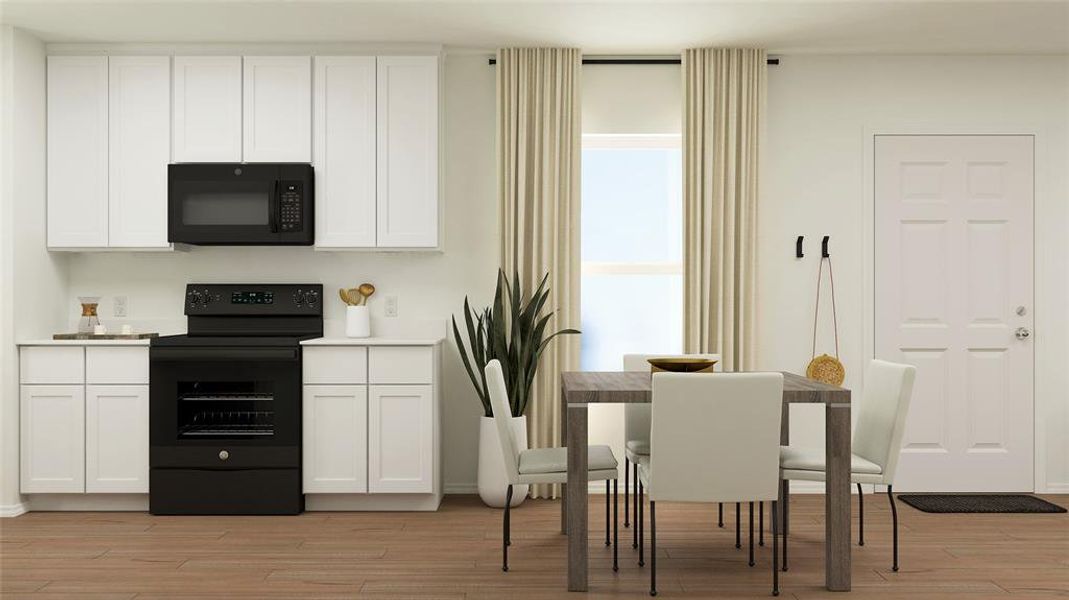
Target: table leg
(576, 498)
(784, 440)
(564, 443)
(837, 498)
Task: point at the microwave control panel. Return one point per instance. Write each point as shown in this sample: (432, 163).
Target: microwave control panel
(290, 202)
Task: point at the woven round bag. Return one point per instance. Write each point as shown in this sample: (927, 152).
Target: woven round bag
(825, 368)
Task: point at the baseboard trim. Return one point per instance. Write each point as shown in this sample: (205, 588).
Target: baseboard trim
(88, 502)
(461, 489)
(372, 502)
(1056, 488)
(12, 510)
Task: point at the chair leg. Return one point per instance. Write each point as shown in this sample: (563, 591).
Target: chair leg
(641, 541)
(775, 551)
(786, 512)
(761, 523)
(634, 505)
(627, 480)
(719, 514)
(894, 522)
(751, 535)
(616, 526)
(860, 517)
(506, 533)
(653, 548)
(738, 525)
(607, 542)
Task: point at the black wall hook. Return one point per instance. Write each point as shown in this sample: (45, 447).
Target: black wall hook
(824, 247)
(798, 247)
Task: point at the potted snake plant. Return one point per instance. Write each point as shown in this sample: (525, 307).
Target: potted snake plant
(513, 331)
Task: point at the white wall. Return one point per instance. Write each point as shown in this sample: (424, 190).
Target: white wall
(819, 110)
(32, 282)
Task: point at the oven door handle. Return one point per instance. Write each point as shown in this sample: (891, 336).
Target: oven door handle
(218, 354)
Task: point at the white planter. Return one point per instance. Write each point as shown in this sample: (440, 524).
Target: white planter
(357, 322)
(492, 481)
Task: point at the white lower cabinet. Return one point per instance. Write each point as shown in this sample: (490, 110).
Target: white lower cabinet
(335, 439)
(116, 439)
(52, 423)
(400, 439)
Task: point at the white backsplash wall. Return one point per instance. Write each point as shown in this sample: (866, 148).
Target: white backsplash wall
(430, 286)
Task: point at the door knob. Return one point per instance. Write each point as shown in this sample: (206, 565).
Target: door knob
(1022, 333)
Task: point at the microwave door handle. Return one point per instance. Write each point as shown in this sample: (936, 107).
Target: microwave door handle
(275, 207)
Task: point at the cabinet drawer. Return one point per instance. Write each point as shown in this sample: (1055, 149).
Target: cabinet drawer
(401, 364)
(335, 364)
(117, 365)
(52, 364)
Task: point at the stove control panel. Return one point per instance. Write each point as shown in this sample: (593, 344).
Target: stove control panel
(214, 299)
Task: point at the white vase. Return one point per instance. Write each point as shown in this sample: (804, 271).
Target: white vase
(357, 322)
(492, 481)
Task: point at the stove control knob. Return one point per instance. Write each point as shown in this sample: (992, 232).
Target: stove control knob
(206, 297)
(223, 455)
(299, 297)
(311, 297)
(195, 298)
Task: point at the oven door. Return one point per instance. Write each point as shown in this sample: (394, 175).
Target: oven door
(225, 407)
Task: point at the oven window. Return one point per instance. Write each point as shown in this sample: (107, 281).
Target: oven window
(220, 409)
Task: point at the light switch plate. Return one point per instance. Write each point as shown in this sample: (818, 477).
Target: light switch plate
(120, 306)
(391, 306)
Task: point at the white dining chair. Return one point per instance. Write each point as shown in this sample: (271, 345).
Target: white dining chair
(637, 439)
(544, 465)
(713, 438)
(876, 445)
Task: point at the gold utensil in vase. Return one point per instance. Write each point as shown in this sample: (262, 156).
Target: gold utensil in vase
(366, 290)
(344, 296)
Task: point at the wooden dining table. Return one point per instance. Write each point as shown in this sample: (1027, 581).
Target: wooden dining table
(579, 389)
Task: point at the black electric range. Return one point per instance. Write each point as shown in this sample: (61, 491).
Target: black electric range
(225, 401)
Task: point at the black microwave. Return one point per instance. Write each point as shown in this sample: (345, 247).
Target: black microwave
(231, 204)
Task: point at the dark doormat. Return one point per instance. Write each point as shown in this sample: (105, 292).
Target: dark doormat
(979, 503)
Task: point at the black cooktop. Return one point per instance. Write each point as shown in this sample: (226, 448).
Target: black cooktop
(185, 340)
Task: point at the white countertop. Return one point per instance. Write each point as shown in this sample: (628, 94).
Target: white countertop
(372, 341)
(47, 342)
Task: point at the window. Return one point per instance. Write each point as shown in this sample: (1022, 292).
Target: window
(632, 248)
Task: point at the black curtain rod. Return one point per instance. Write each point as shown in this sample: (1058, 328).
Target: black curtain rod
(636, 61)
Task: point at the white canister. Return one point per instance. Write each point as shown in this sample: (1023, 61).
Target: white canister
(357, 322)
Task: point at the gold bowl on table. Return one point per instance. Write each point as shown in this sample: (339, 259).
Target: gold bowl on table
(682, 365)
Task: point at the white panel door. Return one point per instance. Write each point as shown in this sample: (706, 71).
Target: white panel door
(207, 109)
(407, 151)
(278, 109)
(335, 439)
(400, 439)
(344, 154)
(116, 439)
(139, 105)
(52, 439)
(77, 151)
(954, 272)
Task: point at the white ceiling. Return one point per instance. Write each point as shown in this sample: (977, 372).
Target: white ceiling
(598, 27)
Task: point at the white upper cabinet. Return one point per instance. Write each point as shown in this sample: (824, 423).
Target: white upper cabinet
(77, 151)
(344, 156)
(407, 151)
(139, 105)
(207, 109)
(278, 109)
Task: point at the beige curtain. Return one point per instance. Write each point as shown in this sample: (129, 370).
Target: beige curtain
(723, 114)
(538, 161)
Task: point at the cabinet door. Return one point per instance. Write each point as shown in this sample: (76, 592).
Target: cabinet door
(207, 109)
(335, 439)
(407, 151)
(400, 439)
(344, 154)
(77, 150)
(52, 439)
(278, 109)
(139, 105)
(116, 439)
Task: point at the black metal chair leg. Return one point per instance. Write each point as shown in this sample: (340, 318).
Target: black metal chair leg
(719, 514)
(634, 505)
(607, 542)
(894, 522)
(627, 480)
(860, 517)
(615, 526)
(641, 541)
(751, 535)
(653, 548)
(761, 523)
(738, 525)
(775, 551)
(786, 518)
(506, 533)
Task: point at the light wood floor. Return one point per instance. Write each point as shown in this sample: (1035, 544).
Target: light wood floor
(455, 553)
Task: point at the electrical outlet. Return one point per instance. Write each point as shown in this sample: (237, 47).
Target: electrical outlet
(391, 306)
(120, 306)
